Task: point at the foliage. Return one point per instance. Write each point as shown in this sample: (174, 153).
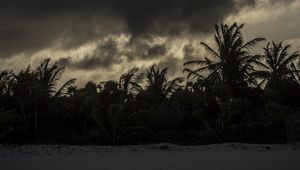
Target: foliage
(231, 63)
(277, 64)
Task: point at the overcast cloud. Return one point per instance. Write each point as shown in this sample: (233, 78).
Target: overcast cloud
(108, 36)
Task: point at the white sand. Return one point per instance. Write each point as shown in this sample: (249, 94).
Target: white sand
(151, 157)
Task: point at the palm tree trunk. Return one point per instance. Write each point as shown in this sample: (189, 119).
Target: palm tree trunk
(22, 109)
(35, 120)
(287, 139)
(84, 126)
(25, 117)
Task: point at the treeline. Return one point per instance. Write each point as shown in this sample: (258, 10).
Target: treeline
(231, 95)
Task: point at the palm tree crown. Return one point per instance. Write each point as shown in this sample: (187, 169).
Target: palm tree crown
(276, 63)
(158, 84)
(231, 62)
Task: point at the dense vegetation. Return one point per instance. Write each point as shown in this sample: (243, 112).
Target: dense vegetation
(232, 95)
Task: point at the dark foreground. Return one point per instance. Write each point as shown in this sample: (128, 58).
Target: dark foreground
(148, 157)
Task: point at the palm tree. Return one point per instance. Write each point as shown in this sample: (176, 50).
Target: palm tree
(118, 125)
(129, 82)
(296, 73)
(231, 62)
(276, 64)
(114, 115)
(158, 86)
(37, 87)
(7, 118)
(6, 82)
(47, 78)
(23, 90)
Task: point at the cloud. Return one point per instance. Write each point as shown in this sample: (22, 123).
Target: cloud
(279, 1)
(26, 34)
(143, 48)
(156, 50)
(172, 64)
(99, 39)
(33, 25)
(111, 51)
(104, 55)
(172, 16)
(188, 52)
(273, 19)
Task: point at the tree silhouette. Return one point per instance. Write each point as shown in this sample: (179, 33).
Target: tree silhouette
(39, 85)
(158, 86)
(47, 78)
(6, 82)
(231, 62)
(129, 82)
(24, 91)
(276, 64)
(296, 72)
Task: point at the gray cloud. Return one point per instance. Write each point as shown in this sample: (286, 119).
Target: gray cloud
(156, 50)
(171, 16)
(105, 55)
(32, 25)
(172, 64)
(281, 1)
(60, 28)
(25, 34)
(188, 52)
(109, 53)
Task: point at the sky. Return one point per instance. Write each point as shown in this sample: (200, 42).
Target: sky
(101, 39)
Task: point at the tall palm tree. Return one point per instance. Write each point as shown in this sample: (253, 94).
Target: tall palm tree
(36, 87)
(231, 62)
(276, 64)
(23, 90)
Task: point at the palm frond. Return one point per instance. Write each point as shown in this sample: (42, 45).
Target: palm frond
(64, 87)
(210, 50)
(252, 43)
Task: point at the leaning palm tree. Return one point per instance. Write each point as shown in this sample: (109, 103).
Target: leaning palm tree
(23, 90)
(129, 82)
(39, 85)
(276, 64)
(231, 62)
(48, 77)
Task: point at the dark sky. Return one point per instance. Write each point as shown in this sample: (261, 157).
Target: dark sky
(99, 39)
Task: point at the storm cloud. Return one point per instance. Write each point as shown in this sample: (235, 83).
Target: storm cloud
(109, 36)
(32, 25)
(104, 55)
(109, 52)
